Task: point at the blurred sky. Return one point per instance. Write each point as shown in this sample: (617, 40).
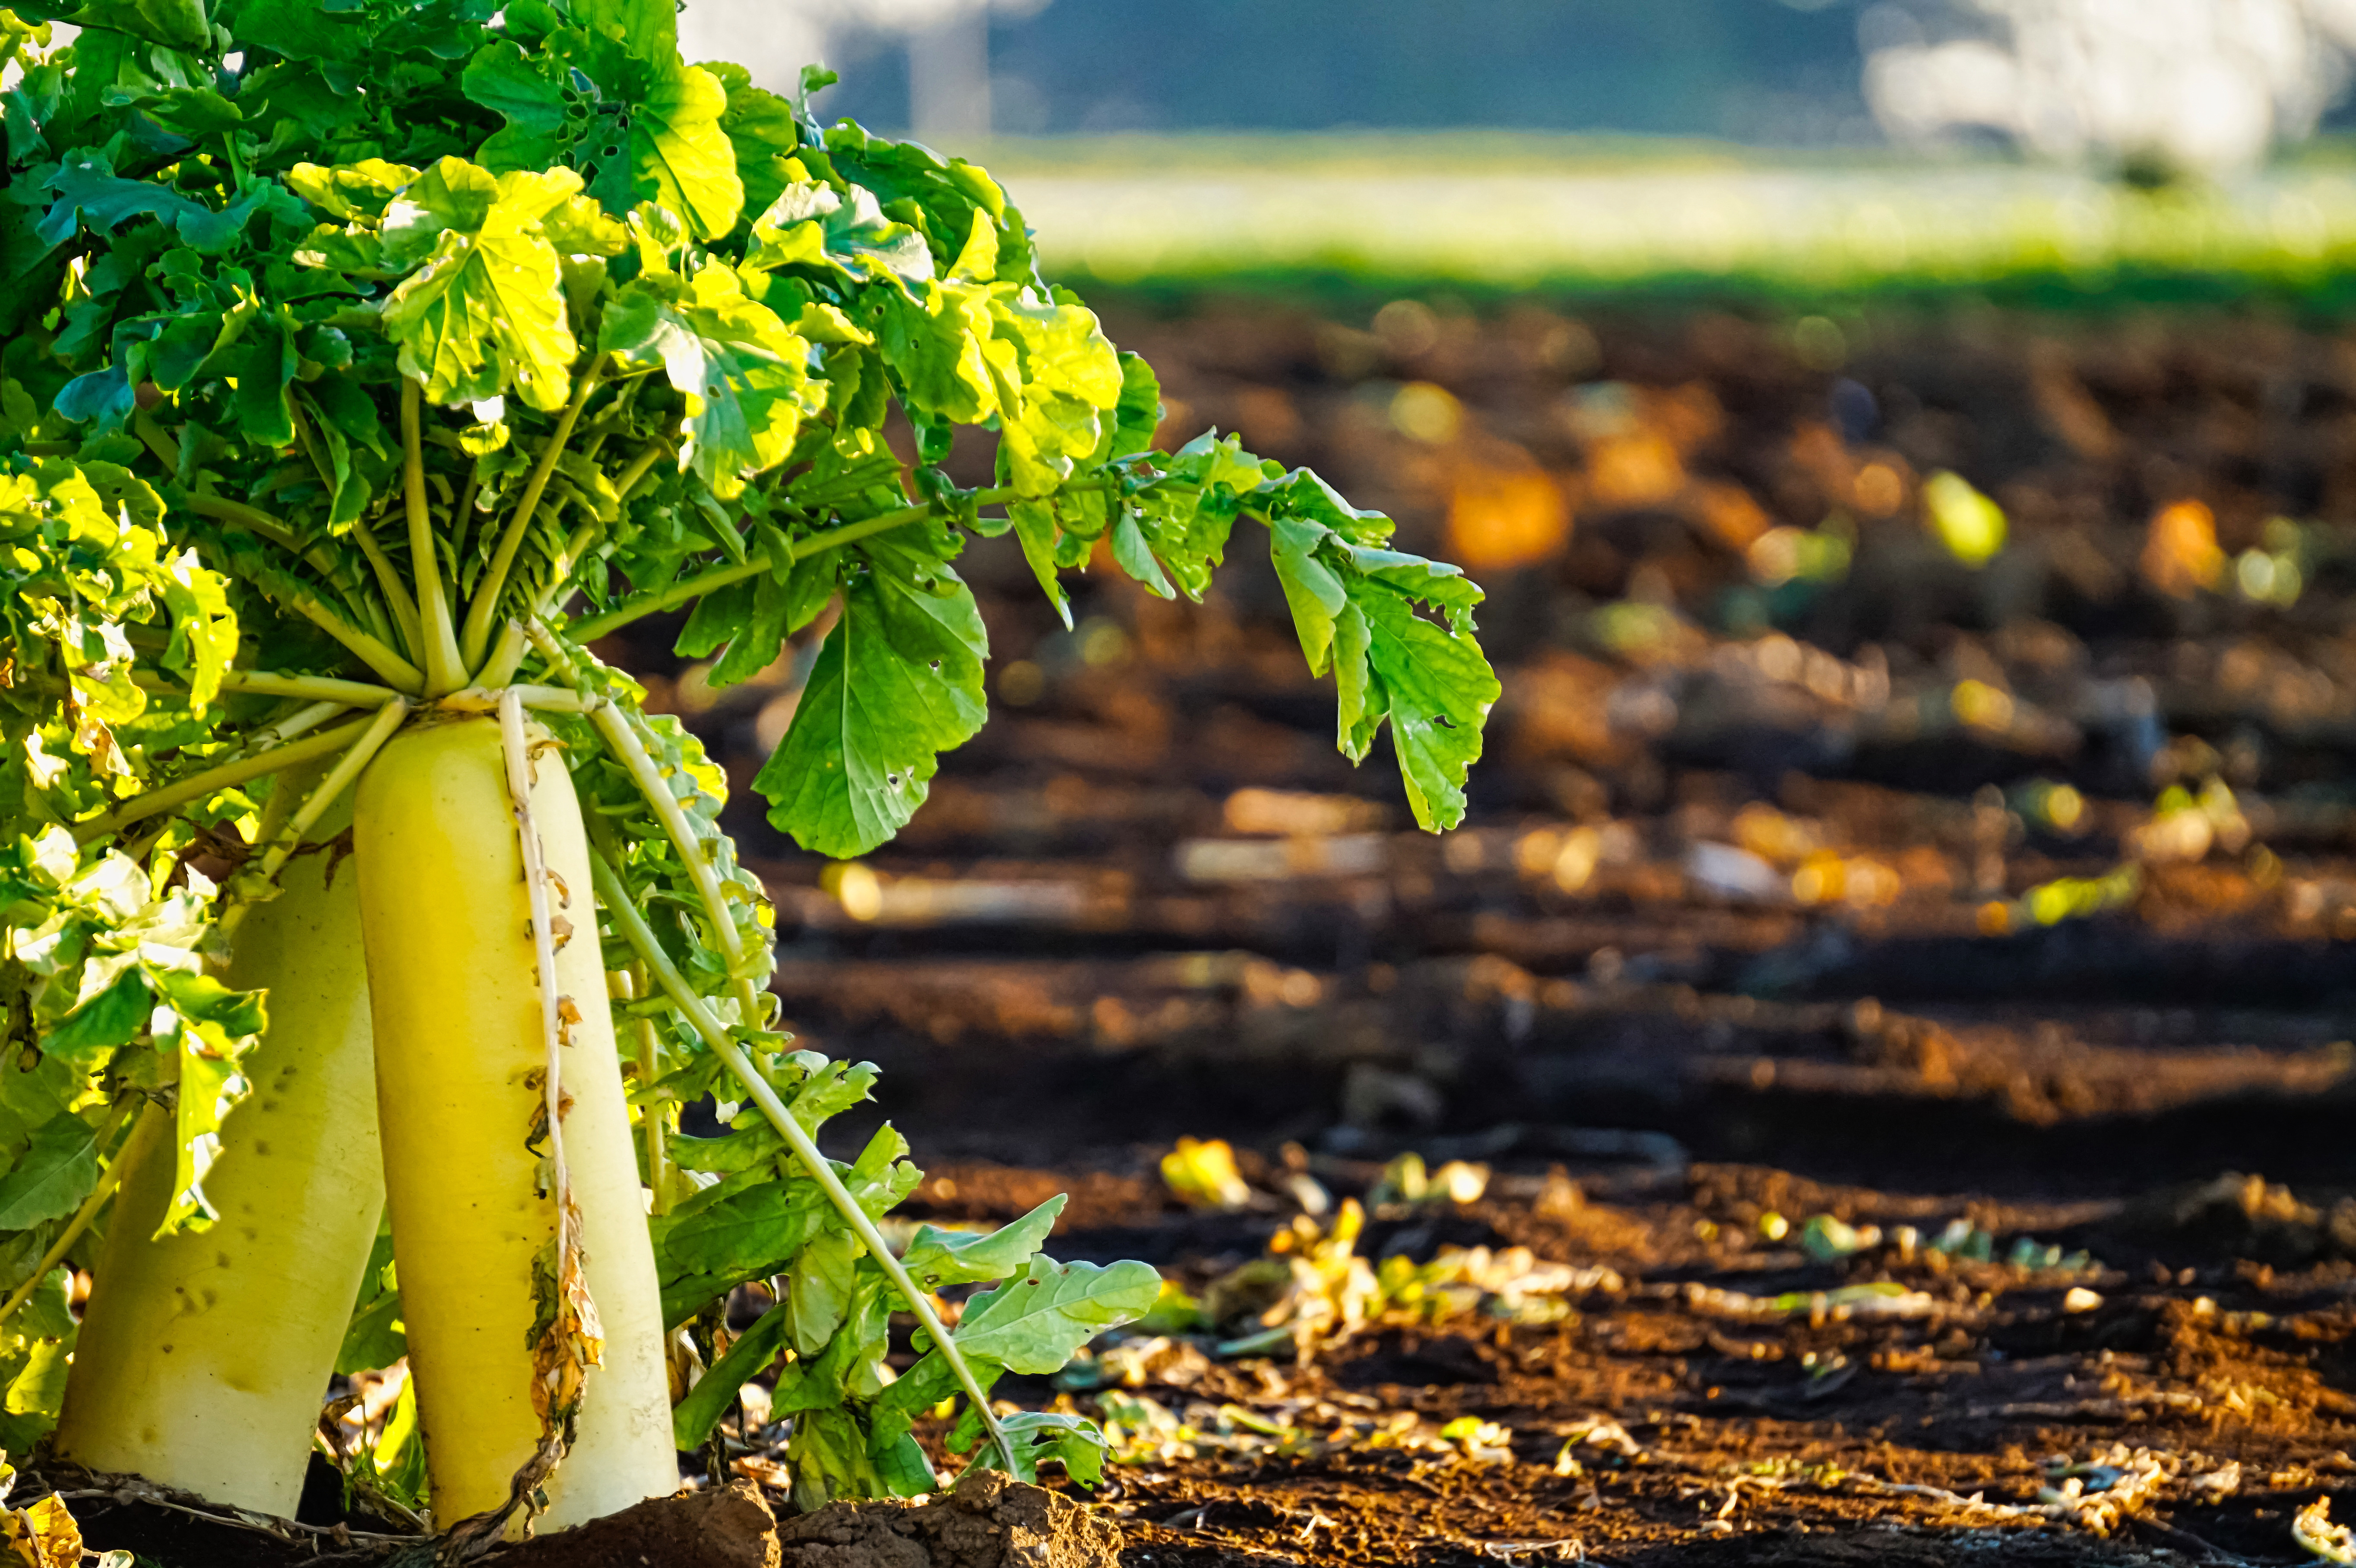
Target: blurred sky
(2212, 84)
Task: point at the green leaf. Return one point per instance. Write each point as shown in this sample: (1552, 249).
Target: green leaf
(909, 177)
(719, 617)
(90, 194)
(175, 24)
(39, 1343)
(304, 30)
(30, 1096)
(356, 192)
(751, 1234)
(935, 344)
(501, 80)
(708, 1403)
(819, 1298)
(829, 1459)
(204, 628)
(755, 1231)
(679, 154)
(763, 132)
(881, 1176)
(1302, 494)
(1313, 589)
(852, 1365)
(1035, 1324)
(375, 1337)
(744, 372)
(901, 1465)
(213, 1030)
(1434, 583)
(1040, 1436)
(1138, 413)
(898, 682)
(112, 1017)
(610, 97)
(1034, 530)
(811, 225)
(102, 395)
(647, 29)
(1433, 684)
(1135, 557)
(1061, 374)
(831, 1089)
(47, 1313)
(195, 112)
(262, 363)
(936, 1257)
(484, 314)
(722, 1156)
(52, 1176)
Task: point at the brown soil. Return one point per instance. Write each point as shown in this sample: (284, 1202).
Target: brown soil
(729, 1527)
(1097, 937)
(987, 1521)
(726, 1527)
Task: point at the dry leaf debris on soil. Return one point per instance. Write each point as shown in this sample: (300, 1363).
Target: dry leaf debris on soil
(1897, 922)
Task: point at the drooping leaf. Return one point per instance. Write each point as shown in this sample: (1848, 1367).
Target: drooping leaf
(1433, 684)
(898, 682)
(1034, 530)
(1313, 589)
(829, 1458)
(213, 1028)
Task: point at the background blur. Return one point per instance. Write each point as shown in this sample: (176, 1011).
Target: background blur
(1910, 451)
(1513, 141)
(2212, 81)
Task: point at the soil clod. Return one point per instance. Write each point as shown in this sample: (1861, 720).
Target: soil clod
(989, 1522)
(729, 1527)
